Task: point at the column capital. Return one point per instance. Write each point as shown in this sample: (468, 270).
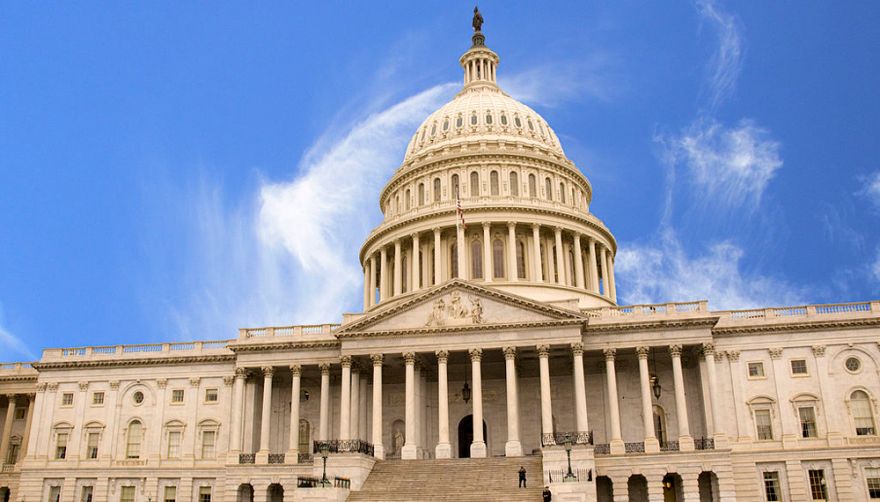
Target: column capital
(114, 385)
(31, 396)
(442, 356)
(643, 352)
(377, 359)
(436, 230)
(733, 355)
(818, 350)
(414, 235)
(476, 354)
(557, 230)
(509, 352)
(296, 370)
(536, 226)
(83, 386)
(675, 350)
(325, 368)
(355, 367)
(409, 358)
(577, 349)
(487, 224)
(11, 397)
(418, 364)
(240, 372)
(396, 243)
(53, 387)
(228, 380)
(41, 387)
(268, 371)
(195, 381)
(511, 224)
(345, 360)
(775, 353)
(162, 383)
(609, 354)
(543, 350)
(708, 348)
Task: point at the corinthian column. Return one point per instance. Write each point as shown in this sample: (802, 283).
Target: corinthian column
(594, 274)
(478, 447)
(266, 419)
(410, 450)
(685, 441)
(438, 269)
(546, 404)
(612, 287)
(378, 446)
(617, 446)
(416, 263)
(345, 399)
(536, 253)
(513, 447)
(366, 284)
(444, 447)
(720, 438)
(237, 410)
(7, 427)
(355, 394)
(372, 299)
(488, 265)
(398, 283)
(578, 262)
(603, 264)
(292, 456)
(324, 418)
(462, 252)
(383, 274)
(512, 265)
(580, 388)
(560, 257)
(652, 444)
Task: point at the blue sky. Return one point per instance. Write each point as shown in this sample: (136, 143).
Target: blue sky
(179, 170)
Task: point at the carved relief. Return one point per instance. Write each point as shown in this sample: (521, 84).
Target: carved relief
(456, 313)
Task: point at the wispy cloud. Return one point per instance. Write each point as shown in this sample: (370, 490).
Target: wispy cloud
(875, 268)
(664, 271)
(871, 188)
(726, 62)
(553, 84)
(12, 346)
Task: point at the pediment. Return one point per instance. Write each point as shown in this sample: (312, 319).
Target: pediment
(460, 304)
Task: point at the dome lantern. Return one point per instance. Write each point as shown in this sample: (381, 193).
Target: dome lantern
(479, 62)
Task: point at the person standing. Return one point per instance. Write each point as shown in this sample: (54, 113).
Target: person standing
(547, 495)
(522, 477)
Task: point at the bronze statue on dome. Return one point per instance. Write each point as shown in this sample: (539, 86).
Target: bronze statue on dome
(478, 19)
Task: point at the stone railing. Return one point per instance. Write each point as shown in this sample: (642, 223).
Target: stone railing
(638, 447)
(658, 309)
(704, 444)
(110, 352)
(306, 332)
(17, 370)
(807, 311)
(344, 446)
(247, 458)
(276, 458)
(670, 446)
(558, 438)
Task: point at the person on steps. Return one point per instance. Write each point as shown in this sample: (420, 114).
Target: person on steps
(547, 495)
(522, 477)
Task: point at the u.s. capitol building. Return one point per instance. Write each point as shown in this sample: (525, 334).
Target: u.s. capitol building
(490, 339)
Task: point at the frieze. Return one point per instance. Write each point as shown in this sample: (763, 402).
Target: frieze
(456, 313)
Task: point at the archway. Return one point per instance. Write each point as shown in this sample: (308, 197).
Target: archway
(245, 493)
(604, 489)
(275, 493)
(672, 488)
(5, 493)
(708, 483)
(637, 486)
(466, 436)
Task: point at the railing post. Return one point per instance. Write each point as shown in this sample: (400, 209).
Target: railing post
(270, 332)
(242, 333)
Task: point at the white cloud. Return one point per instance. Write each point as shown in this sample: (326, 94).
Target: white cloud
(12, 346)
(875, 268)
(729, 166)
(872, 188)
(552, 84)
(726, 62)
(663, 271)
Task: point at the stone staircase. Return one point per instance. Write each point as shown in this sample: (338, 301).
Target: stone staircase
(459, 479)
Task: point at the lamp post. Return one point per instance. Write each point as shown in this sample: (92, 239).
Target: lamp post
(325, 452)
(570, 476)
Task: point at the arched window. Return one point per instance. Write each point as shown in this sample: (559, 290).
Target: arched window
(488, 118)
(134, 439)
(459, 121)
(660, 425)
(533, 186)
(521, 260)
(514, 185)
(421, 194)
(475, 184)
(571, 274)
(503, 119)
(555, 267)
(406, 199)
(397, 209)
(493, 182)
(403, 274)
(304, 436)
(543, 264)
(549, 187)
(454, 193)
(436, 189)
(863, 417)
(573, 200)
(474, 119)
(433, 276)
(498, 258)
(477, 260)
(562, 193)
(453, 257)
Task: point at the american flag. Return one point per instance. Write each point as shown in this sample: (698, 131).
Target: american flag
(460, 212)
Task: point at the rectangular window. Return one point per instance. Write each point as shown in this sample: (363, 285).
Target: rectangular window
(764, 425)
(211, 395)
(67, 399)
(61, 445)
(872, 477)
(174, 444)
(208, 440)
(798, 366)
(20, 413)
(127, 494)
(771, 486)
(12, 456)
(86, 494)
(756, 370)
(807, 416)
(92, 448)
(54, 494)
(204, 494)
(170, 494)
(177, 396)
(818, 490)
(98, 398)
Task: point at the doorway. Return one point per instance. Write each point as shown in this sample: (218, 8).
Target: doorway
(466, 436)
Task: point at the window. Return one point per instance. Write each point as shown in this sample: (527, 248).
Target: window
(660, 425)
(541, 127)
(174, 444)
(818, 490)
(446, 125)
(212, 395)
(474, 119)
(477, 260)
(489, 118)
(521, 260)
(12, 456)
(562, 193)
(407, 199)
(756, 370)
(454, 193)
(475, 184)
(86, 494)
(304, 431)
(138, 397)
(421, 194)
(498, 259)
(853, 365)
(20, 414)
(548, 186)
(543, 264)
(67, 399)
(863, 416)
(204, 494)
(807, 417)
(764, 425)
(92, 445)
(170, 494)
(493, 183)
(533, 186)
(872, 477)
(453, 257)
(503, 119)
(61, 445)
(798, 366)
(403, 273)
(177, 396)
(459, 122)
(134, 439)
(209, 439)
(514, 185)
(127, 494)
(433, 130)
(97, 399)
(518, 122)
(771, 486)
(436, 189)
(55, 494)
(531, 126)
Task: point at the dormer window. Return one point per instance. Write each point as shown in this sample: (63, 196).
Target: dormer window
(459, 122)
(518, 122)
(541, 127)
(531, 126)
(474, 119)
(446, 125)
(488, 118)
(504, 120)
(433, 129)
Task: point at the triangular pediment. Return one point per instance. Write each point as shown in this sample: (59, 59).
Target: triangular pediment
(459, 304)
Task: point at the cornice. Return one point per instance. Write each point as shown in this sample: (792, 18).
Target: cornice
(652, 325)
(796, 326)
(444, 330)
(18, 378)
(158, 361)
(284, 344)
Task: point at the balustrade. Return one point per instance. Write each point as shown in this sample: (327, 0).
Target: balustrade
(344, 446)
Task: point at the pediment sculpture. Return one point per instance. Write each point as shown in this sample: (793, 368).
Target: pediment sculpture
(456, 313)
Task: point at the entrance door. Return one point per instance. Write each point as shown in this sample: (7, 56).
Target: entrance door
(466, 436)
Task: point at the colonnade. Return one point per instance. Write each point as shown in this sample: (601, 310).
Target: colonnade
(6, 438)
(409, 260)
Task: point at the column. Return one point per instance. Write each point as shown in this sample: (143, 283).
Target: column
(7, 428)
(512, 274)
(324, 418)
(537, 276)
(438, 270)
(33, 445)
(560, 257)
(478, 447)
(488, 266)
(603, 264)
(832, 414)
(685, 441)
(594, 274)
(612, 289)
(379, 447)
(787, 414)
(27, 427)
(383, 274)
(355, 402)
(578, 262)
(417, 392)
(266, 418)
(513, 447)
(580, 387)
(372, 279)
(237, 409)
(362, 422)
(444, 447)
(721, 441)
(617, 446)
(345, 398)
(292, 456)
(366, 284)
(460, 244)
(398, 283)
(546, 404)
(416, 264)
(652, 444)
(410, 450)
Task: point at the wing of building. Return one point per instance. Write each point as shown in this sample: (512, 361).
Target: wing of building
(490, 340)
